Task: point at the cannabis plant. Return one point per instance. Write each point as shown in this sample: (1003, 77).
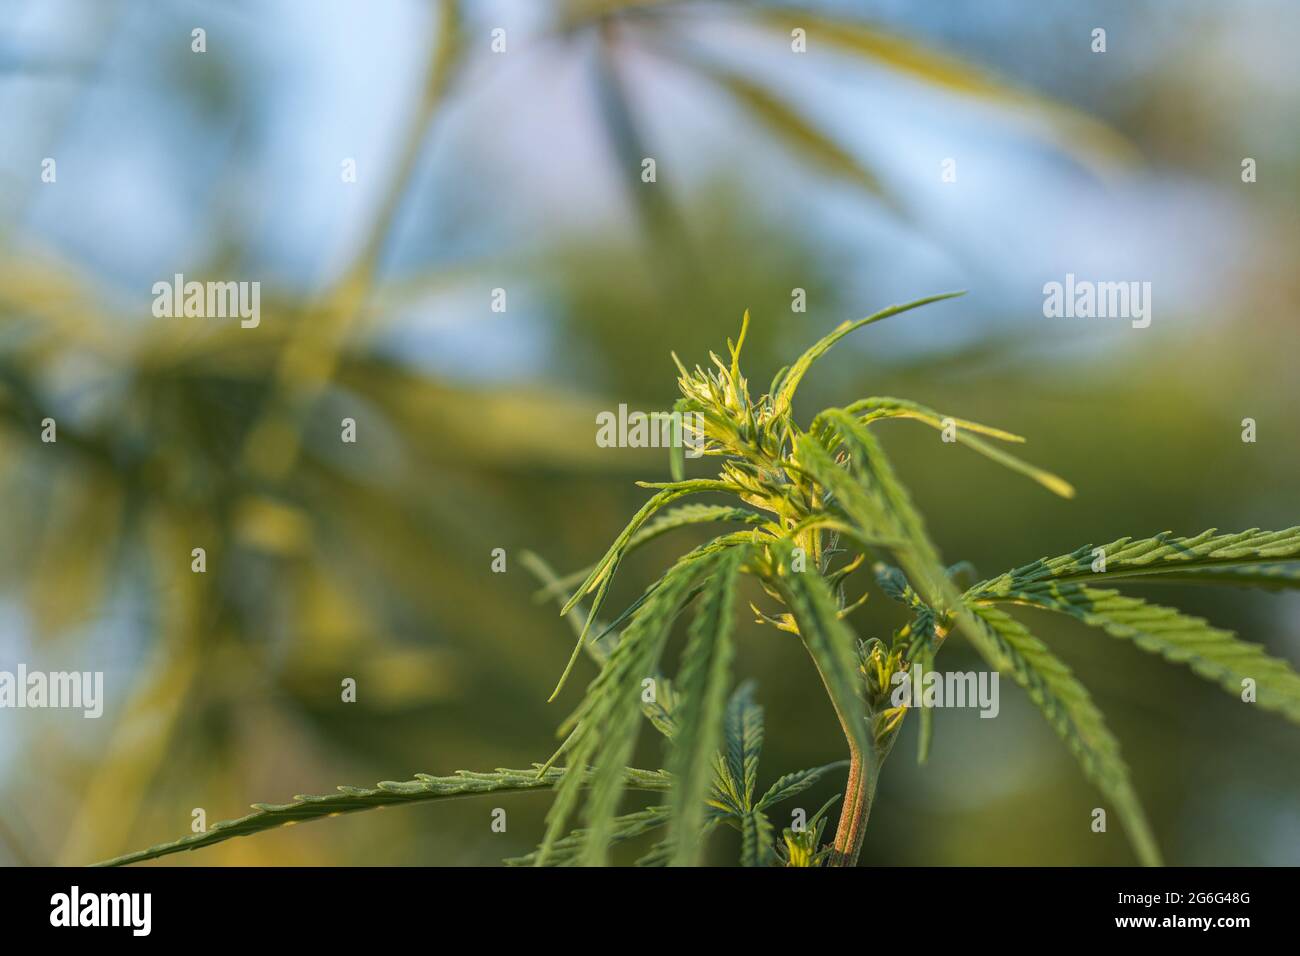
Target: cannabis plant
(815, 505)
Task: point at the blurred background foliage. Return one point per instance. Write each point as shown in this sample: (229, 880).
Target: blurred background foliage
(521, 170)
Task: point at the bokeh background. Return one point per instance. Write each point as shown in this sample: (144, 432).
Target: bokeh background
(520, 171)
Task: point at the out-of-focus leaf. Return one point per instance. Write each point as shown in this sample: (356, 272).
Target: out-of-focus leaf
(785, 122)
(1086, 139)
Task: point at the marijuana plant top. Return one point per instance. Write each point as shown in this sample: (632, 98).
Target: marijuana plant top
(812, 505)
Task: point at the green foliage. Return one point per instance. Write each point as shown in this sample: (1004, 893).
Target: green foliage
(603, 573)
(1086, 139)
(703, 684)
(818, 504)
(803, 847)
(571, 850)
(816, 614)
(873, 409)
(423, 788)
(783, 394)
(736, 780)
(1069, 709)
(739, 769)
(1170, 557)
(786, 124)
(1058, 584)
(603, 728)
(745, 731)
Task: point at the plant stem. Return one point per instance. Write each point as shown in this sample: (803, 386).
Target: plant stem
(855, 809)
(858, 793)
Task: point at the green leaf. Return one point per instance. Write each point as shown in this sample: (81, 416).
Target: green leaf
(1210, 652)
(661, 854)
(662, 715)
(1074, 132)
(829, 641)
(603, 729)
(1166, 555)
(679, 517)
(793, 784)
(702, 685)
(1268, 577)
(873, 409)
(423, 788)
(875, 500)
(743, 745)
(603, 573)
(1006, 645)
(756, 836)
(784, 121)
(659, 711)
(926, 734)
(785, 394)
(569, 850)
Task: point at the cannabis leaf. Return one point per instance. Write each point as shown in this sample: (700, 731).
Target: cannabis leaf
(829, 641)
(736, 780)
(783, 394)
(569, 850)
(703, 681)
(875, 409)
(818, 504)
(424, 788)
(600, 577)
(1165, 555)
(602, 730)
(1210, 652)
(1069, 709)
